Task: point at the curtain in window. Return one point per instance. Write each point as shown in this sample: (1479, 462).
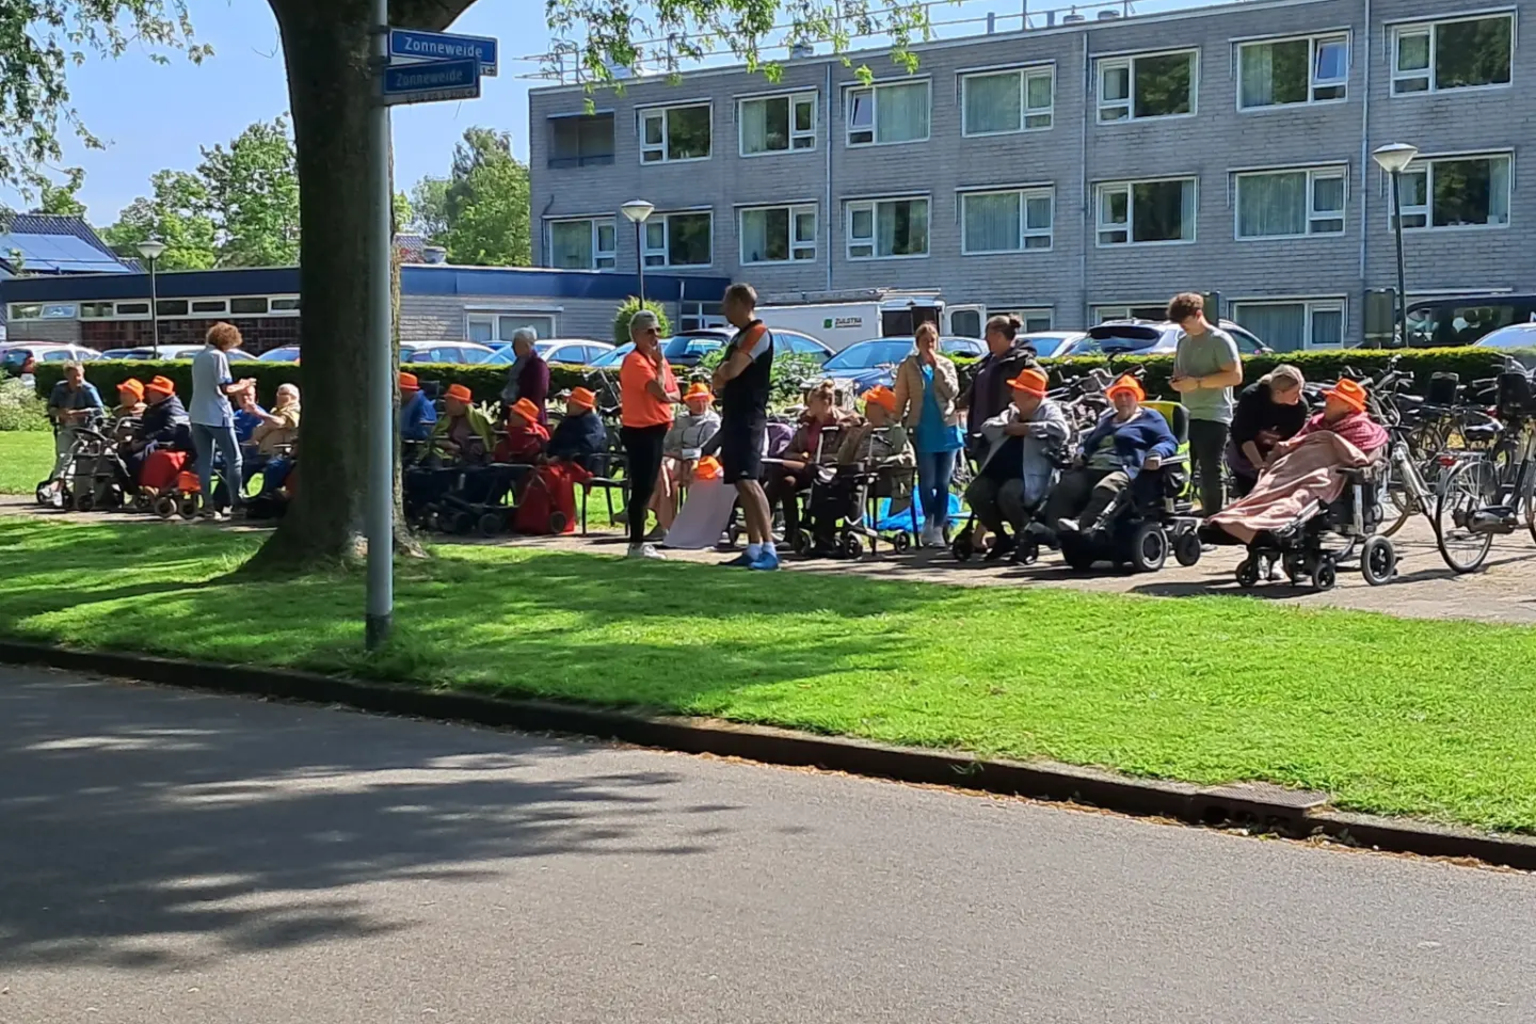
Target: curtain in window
(1189, 212)
(901, 228)
(1258, 65)
(1498, 190)
(1327, 328)
(754, 236)
(1282, 327)
(571, 245)
(992, 103)
(754, 127)
(1272, 204)
(991, 222)
(903, 113)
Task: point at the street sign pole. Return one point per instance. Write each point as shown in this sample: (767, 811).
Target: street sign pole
(379, 524)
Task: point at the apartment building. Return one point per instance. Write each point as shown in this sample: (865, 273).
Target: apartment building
(1078, 172)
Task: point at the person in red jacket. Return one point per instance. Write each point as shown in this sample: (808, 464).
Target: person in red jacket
(525, 436)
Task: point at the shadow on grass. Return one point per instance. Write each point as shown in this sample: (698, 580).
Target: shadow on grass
(156, 831)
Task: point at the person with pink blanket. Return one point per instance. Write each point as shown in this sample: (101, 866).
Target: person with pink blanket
(1306, 468)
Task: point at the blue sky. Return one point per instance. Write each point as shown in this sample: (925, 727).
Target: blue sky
(155, 116)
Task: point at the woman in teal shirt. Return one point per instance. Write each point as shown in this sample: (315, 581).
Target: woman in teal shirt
(926, 387)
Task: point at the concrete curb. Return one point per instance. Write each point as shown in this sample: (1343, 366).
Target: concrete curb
(1258, 806)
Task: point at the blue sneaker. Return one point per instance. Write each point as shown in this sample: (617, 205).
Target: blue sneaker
(741, 561)
(769, 562)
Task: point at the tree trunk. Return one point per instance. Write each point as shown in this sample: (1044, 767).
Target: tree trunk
(326, 47)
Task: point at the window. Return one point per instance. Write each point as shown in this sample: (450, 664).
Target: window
(171, 307)
(778, 124)
(880, 115)
(500, 326)
(586, 244)
(127, 309)
(1456, 192)
(679, 240)
(999, 102)
(95, 310)
(1012, 221)
(284, 304)
(251, 306)
(1155, 85)
(1293, 71)
(26, 311)
(210, 306)
(1034, 320)
(1290, 326)
(882, 229)
(1291, 204)
(1103, 314)
(1147, 212)
(585, 141)
(1467, 53)
(672, 134)
(778, 234)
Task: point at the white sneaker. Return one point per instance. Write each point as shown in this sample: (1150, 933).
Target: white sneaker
(646, 551)
(933, 537)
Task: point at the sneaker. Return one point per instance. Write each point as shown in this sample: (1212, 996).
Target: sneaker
(768, 562)
(1002, 546)
(647, 551)
(210, 515)
(1068, 526)
(741, 561)
(657, 535)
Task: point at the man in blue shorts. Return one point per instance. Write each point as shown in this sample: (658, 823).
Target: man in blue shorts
(744, 383)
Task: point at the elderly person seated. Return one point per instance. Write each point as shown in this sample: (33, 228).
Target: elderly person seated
(524, 437)
(680, 451)
(580, 434)
(814, 443)
(1305, 468)
(1019, 464)
(248, 414)
(130, 401)
(272, 439)
(464, 434)
(1268, 411)
(878, 444)
(165, 426)
(73, 405)
(417, 415)
(528, 376)
(1127, 440)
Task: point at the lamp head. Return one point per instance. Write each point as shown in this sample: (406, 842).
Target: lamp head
(1395, 157)
(151, 248)
(637, 210)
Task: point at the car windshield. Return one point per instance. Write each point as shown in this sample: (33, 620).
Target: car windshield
(609, 360)
(1046, 346)
(1118, 339)
(866, 355)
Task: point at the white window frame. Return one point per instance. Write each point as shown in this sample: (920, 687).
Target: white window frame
(223, 313)
(494, 315)
(1311, 306)
(1431, 28)
(872, 205)
(1024, 313)
(1025, 73)
(1425, 165)
(602, 259)
(665, 252)
(1099, 313)
(1025, 194)
(1104, 187)
(795, 211)
(644, 114)
(809, 137)
(1313, 82)
(1127, 63)
(874, 88)
(1314, 216)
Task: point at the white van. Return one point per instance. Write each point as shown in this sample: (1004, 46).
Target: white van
(840, 323)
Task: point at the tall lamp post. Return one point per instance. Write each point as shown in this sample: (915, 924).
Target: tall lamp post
(1394, 158)
(639, 211)
(151, 249)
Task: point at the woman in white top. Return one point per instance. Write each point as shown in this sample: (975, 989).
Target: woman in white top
(213, 418)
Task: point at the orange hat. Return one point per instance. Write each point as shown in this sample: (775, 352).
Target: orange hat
(459, 393)
(882, 396)
(525, 408)
(164, 385)
(1031, 382)
(1128, 384)
(583, 398)
(698, 389)
(134, 387)
(1351, 393)
(408, 382)
(707, 468)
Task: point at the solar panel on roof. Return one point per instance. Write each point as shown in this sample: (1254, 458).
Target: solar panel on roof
(57, 254)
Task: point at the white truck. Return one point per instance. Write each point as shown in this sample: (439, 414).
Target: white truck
(839, 319)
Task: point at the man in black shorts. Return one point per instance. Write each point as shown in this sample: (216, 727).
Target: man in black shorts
(743, 382)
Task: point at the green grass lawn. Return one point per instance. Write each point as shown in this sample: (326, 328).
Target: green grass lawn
(26, 456)
(1436, 719)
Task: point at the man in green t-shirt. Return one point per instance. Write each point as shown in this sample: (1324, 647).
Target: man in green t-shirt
(1206, 368)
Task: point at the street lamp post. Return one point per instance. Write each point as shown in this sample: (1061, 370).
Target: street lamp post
(151, 249)
(1394, 158)
(638, 211)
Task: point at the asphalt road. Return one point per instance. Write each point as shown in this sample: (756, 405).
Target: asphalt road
(183, 859)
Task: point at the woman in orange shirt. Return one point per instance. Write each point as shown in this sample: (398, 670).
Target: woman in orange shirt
(648, 390)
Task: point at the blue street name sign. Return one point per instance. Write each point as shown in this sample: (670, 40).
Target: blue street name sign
(428, 83)
(410, 45)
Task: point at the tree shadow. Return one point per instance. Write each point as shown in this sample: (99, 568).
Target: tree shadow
(136, 819)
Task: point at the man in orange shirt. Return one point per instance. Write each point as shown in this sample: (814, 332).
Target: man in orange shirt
(647, 392)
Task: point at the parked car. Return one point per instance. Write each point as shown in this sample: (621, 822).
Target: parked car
(866, 364)
(1151, 338)
(565, 351)
(1513, 336)
(285, 354)
(1464, 319)
(47, 352)
(1052, 343)
(690, 347)
(464, 353)
(146, 353)
(116, 353)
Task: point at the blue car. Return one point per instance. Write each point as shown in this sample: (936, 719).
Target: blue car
(867, 364)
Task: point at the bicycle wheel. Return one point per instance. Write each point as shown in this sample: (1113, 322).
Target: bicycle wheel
(1398, 503)
(1468, 489)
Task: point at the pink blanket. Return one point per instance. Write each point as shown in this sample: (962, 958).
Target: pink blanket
(1310, 470)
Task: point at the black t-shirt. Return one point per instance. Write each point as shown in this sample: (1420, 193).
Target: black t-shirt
(1256, 412)
(1008, 463)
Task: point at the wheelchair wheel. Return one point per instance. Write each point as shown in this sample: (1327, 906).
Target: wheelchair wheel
(165, 506)
(852, 546)
(187, 507)
(1248, 573)
(901, 543)
(143, 502)
(463, 522)
(1186, 549)
(1149, 547)
(84, 501)
(962, 547)
(490, 524)
(557, 523)
(1378, 561)
(799, 542)
(1078, 555)
(1324, 574)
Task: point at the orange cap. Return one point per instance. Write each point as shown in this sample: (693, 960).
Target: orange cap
(459, 392)
(583, 398)
(134, 387)
(1350, 392)
(698, 389)
(1128, 384)
(408, 382)
(882, 396)
(164, 385)
(707, 468)
(525, 408)
(1031, 382)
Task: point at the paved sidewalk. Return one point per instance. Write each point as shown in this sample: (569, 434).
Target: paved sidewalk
(1504, 591)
